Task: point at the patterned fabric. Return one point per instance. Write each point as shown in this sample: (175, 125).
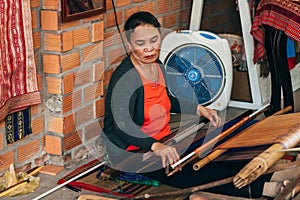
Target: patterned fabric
(18, 82)
(17, 125)
(283, 15)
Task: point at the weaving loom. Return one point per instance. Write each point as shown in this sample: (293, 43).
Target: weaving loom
(129, 189)
(106, 185)
(113, 187)
(277, 132)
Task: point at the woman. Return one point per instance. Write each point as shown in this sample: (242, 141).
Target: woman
(138, 106)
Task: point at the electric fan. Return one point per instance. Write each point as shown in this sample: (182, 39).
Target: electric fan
(199, 67)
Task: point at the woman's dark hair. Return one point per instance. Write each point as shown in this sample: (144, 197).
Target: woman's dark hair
(137, 19)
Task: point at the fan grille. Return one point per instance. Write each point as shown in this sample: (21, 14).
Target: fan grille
(195, 74)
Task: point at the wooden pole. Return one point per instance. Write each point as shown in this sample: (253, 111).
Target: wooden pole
(194, 154)
(190, 190)
(20, 184)
(69, 181)
(216, 153)
(267, 158)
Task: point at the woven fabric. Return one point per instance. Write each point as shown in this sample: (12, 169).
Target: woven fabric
(17, 125)
(283, 15)
(18, 82)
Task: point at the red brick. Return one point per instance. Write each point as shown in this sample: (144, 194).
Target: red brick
(170, 20)
(94, 18)
(107, 75)
(70, 61)
(51, 63)
(53, 145)
(68, 25)
(108, 5)
(34, 19)
(130, 11)
(40, 82)
(120, 3)
(52, 42)
(28, 151)
(99, 108)
(38, 125)
(98, 71)
(34, 109)
(51, 170)
(7, 159)
(115, 56)
(92, 52)
(51, 4)
(150, 7)
(98, 32)
(92, 130)
(184, 16)
(110, 19)
(34, 3)
(94, 91)
(36, 40)
(69, 124)
(83, 115)
(68, 81)
(1, 142)
(49, 20)
(81, 36)
(71, 101)
(72, 141)
(56, 124)
(82, 76)
(162, 6)
(109, 38)
(54, 85)
(176, 5)
(67, 41)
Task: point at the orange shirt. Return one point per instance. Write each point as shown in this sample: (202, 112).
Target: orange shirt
(156, 109)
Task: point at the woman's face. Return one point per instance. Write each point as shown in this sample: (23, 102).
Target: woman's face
(145, 43)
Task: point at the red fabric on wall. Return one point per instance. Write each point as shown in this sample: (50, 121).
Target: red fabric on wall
(283, 15)
(18, 82)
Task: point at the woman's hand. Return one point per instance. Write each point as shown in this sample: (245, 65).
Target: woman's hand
(167, 153)
(210, 114)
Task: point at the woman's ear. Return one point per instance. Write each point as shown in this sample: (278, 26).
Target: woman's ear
(128, 46)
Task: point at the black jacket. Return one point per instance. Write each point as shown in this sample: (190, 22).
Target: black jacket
(124, 108)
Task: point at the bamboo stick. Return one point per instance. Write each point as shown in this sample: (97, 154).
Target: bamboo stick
(190, 190)
(288, 150)
(266, 159)
(21, 183)
(194, 154)
(216, 153)
(69, 181)
(257, 166)
(14, 187)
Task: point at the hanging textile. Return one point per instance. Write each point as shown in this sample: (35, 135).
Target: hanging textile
(18, 82)
(283, 15)
(17, 125)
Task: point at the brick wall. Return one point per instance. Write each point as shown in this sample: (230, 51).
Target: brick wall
(28, 152)
(73, 64)
(221, 16)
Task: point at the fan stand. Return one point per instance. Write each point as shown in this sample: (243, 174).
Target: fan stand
(246, 24)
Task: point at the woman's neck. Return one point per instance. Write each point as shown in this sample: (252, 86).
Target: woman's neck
(148, 70)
